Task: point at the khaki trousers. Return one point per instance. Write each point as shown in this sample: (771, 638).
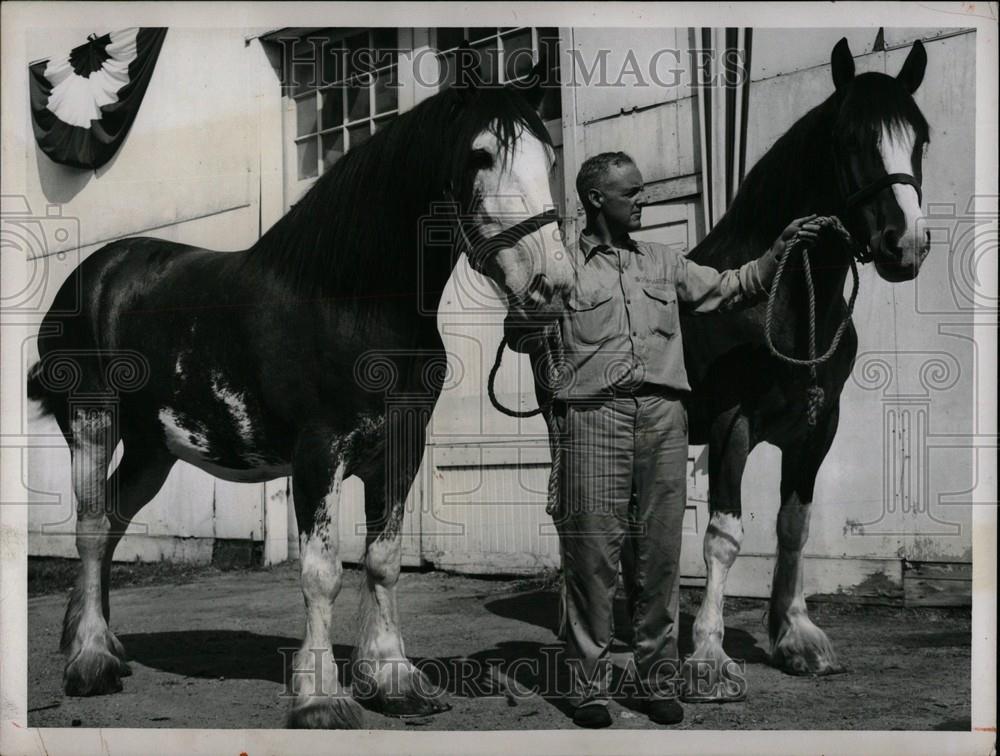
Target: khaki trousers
(622, 491)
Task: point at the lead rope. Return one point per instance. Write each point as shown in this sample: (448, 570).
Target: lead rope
(554, 352)
(814, 393)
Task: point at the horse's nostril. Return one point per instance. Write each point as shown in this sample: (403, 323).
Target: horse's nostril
(890, 242)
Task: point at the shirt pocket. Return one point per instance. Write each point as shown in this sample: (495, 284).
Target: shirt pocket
(592, 318)
(661, 310)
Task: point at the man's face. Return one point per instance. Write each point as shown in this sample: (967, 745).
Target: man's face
(620, 198)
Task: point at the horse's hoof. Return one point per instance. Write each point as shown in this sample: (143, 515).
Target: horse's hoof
(804, 649)
(709, 676)
(93, 672)
(337, 712)
(400, 690)
(805, 663)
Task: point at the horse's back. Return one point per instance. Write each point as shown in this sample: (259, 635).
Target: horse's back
(118, 271)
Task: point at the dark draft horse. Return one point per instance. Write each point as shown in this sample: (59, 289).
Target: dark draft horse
(857, 155)
(283, 358)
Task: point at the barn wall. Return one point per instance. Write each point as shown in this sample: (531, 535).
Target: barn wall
(201, 165)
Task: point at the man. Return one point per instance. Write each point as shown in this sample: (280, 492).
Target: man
(623, 431)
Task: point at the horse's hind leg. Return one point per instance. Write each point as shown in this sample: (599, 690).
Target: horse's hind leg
(93, 667)
(709, 674)
(321, 702)
(105, 506)
(382, 675)
(797, 645)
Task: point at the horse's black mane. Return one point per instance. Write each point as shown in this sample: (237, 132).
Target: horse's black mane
(355, 233)
(795, 177)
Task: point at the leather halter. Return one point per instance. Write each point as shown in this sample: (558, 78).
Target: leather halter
(866, 193)
(860, 250)
(480, 249)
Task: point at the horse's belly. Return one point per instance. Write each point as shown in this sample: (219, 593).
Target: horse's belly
(192, 442)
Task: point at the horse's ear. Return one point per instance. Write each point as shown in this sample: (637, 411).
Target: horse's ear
(532, 89)
(467, 77)
(912, 72)
(842, 63)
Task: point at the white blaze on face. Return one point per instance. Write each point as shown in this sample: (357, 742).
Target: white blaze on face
(515, 188)
(896, 147)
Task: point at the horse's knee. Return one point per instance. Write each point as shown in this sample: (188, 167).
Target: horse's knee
(383, 558)
(321, 570)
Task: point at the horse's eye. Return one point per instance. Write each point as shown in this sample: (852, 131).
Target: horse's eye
(480, 160)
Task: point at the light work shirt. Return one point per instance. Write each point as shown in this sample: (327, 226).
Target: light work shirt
(621, 328)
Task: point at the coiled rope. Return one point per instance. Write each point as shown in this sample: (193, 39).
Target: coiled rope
(815, 395)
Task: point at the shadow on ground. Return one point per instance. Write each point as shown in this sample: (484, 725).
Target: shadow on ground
(512, 669)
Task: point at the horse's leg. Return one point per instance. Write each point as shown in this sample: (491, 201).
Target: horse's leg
(135, 481)
(317, 474)
(93, 667)
(797, 645)
(709, 672)
(382, 675)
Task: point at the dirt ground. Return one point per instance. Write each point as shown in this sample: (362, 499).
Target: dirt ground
(205, 649)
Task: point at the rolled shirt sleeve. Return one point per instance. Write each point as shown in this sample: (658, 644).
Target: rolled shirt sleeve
(705, 289)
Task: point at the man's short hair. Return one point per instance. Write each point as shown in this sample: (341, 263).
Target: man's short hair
(593, 171)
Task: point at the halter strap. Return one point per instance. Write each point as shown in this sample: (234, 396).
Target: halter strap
(483, 249)
(480, 249)
(866, 193)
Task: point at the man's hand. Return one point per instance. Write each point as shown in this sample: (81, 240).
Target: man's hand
(804, 229)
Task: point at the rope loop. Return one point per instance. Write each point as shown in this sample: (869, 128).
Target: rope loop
(814, 394)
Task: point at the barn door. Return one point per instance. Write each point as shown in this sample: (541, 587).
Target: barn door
(675, 224)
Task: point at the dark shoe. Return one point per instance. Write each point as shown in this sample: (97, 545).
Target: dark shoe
(592, 715)
(665, 711)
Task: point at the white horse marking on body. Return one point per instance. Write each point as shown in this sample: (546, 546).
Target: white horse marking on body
(235, 404)
(181, 440)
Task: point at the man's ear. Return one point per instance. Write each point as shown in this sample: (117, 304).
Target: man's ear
(596, 197)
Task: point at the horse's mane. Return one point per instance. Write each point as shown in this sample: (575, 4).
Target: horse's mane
(796, 176)
(355, 233)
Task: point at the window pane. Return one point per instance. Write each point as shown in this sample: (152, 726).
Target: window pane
(307, 158)
(487, 53)
(552, 99)
(334, 63)
(303, 73)
(333, 107)
(475, 34)
(303, 78)
(449, 36)
(305, 115)
(357, 102)
(548, 45)
(446, 71)
(358, 62)
(386, 92)
(333, 147)
(385, 42)
(358, 135)
(517, 55)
